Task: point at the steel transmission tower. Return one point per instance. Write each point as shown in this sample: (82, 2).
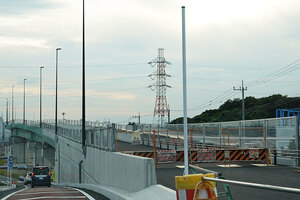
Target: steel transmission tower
(161, 109)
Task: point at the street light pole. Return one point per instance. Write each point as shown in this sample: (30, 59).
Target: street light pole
(41, 96)
(7, 107)
(24, 103)
(57, 49)
(12, 101)
(186, 167)
(83, 84)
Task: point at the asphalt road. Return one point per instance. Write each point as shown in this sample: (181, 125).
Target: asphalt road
(125, 146)
(54, 192)
(7, 192)
(275, 175)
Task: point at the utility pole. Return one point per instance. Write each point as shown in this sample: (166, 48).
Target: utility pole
(137, 116)
(243, 98)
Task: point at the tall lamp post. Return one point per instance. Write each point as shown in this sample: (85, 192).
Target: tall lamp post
(24, 103)
(7, 107)
(12, 102)
(83, 84)
(41, 96)
(57, 49)
(186, 167)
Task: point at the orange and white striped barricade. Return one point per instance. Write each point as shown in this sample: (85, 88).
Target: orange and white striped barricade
(192, 187)
(206, 155)
(166, 155)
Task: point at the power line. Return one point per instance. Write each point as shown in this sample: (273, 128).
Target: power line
(211, 103)
(70, 66)
(278, 73)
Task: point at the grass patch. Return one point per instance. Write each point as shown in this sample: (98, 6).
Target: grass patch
(14, 174)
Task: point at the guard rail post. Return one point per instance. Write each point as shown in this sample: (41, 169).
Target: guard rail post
(275, 157)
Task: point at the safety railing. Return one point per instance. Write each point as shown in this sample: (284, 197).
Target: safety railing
(99, 135)
(255, 185)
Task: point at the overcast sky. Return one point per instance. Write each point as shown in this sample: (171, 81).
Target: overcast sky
(227, 42)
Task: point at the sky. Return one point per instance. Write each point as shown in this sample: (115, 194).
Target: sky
(227, 42)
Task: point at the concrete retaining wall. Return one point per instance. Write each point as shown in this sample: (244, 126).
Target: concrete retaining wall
(125, 172)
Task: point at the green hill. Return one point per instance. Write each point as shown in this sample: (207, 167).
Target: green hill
(231, 110)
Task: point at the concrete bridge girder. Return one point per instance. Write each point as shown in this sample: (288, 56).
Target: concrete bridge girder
(31, 146)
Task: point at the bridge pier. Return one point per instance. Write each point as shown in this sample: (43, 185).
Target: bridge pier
(32, 153)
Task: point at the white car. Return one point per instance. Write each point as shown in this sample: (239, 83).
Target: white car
(27, 178)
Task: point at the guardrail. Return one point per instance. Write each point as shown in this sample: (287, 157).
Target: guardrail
(255, 185)
(99, 135)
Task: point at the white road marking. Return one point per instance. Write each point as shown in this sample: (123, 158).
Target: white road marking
(229, 165)
(30, 193)
(57, 197)
(263, 165)
(14, 193)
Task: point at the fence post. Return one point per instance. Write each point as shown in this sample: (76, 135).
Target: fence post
(143, 135)
(240, 134)
(113, 137)
(203, 131)
(192, 144)
(154, 147)
(297, 140)
(265, 134)
(220, 133)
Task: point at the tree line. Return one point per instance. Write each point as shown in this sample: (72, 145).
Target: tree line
(255, 108)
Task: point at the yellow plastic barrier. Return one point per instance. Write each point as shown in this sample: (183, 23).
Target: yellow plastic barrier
(53, 176)
(191, 187)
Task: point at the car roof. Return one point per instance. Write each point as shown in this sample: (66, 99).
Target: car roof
(40, 167)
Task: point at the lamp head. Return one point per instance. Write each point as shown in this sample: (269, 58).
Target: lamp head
(57, 49)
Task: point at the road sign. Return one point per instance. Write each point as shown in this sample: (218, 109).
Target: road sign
(9, 159)
(10, 164)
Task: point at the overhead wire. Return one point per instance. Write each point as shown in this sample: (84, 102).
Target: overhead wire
(70, 66)
(278, 73)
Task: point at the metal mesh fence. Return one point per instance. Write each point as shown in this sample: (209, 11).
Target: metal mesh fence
(276, 133)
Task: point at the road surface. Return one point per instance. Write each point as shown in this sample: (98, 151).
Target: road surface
(51, 193)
